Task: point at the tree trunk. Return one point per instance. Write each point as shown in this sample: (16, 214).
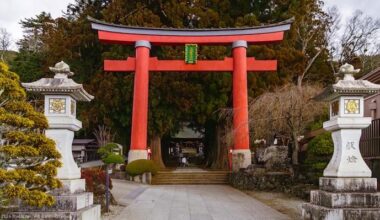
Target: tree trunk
(221, 159)
(217, 162)
(295, 150)
(210, 143)
(156, 151)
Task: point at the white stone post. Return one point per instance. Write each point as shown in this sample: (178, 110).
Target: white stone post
(347, 160)
(61, 130)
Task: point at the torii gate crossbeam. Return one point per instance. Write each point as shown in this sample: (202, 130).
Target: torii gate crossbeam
(225, 65)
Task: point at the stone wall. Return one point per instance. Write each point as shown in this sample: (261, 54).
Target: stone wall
(268, 181)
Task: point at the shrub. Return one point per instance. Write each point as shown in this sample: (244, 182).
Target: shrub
(108, 155)
(28, 159)
(113, 159)
(318, 121)
(141, 166)
(319, 153)
(96, 183)
(107, 149)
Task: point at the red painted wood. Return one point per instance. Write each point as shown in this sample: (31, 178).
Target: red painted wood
(122, 38)
(240, 99)
(180, 65)
(140, 100)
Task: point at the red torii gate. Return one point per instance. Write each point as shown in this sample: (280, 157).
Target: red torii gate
(239, 64)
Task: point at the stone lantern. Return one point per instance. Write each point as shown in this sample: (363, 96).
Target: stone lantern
(346, 190)
(61, 95)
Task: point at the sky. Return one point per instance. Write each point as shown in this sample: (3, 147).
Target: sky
(12, 11)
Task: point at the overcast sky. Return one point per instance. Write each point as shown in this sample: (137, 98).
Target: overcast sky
(12, 11)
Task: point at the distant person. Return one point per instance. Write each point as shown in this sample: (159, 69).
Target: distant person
(184, 162)
(177, 149)
(200, 149)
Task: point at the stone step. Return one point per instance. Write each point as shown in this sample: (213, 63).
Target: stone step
(195, 178)
(187, 182)
(190, 177)
(184, 179)
(348, 184)
(191, 174)
(208, 177)
(90, 212)
(314, 212)
(344, 199)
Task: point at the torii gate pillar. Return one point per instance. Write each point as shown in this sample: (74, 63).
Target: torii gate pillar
(140, 103)
(241, 153)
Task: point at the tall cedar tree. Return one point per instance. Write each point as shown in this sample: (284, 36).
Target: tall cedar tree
(28, 160)
(173, 97)
(30, 61)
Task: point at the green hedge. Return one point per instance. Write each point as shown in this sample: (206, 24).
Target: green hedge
(319, 153)
(141, 166)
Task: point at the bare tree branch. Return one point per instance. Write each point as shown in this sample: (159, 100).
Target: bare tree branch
(359, 38)
(5, 42)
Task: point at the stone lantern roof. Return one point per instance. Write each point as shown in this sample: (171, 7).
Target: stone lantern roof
(348, 85)
(60, 84)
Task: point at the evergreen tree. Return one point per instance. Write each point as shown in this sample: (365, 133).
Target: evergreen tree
(28, 160)
(29, 63)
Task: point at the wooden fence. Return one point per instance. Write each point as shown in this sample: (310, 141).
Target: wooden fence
(370, 141)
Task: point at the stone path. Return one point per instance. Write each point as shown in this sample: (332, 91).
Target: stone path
(196, 202)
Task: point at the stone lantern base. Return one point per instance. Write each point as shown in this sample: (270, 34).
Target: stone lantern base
(68, 206)
(348, 198)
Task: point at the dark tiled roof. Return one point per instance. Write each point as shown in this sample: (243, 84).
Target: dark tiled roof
(117, 28)
(373, 76)
(83, 141)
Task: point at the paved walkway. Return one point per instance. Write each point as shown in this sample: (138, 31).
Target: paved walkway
(196, 202)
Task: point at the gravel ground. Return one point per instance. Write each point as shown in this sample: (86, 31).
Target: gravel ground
(114, 211)
(291, 206)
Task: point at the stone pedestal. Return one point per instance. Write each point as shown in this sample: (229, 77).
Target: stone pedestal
(68, 206)
(347, 198)
(347, 160)
(63, 139)
(137, 155)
